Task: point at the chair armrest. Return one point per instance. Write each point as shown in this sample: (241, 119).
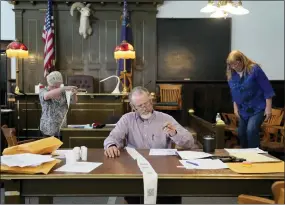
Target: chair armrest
(26, 141)
(248, 199)
(273, 126)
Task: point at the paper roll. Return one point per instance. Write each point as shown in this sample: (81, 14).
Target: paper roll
(37, 89)
(150, 187)
(83, 153)
(150, 177)
(76, 151)
(68, 95)
(70, 157)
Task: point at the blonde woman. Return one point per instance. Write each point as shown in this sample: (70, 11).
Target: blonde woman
(252, 97)
(54, 104)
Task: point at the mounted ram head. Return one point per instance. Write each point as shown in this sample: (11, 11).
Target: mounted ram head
(85, 12)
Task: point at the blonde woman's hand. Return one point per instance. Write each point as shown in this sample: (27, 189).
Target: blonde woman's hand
(236, 114)
(267, 113)
(70, 88)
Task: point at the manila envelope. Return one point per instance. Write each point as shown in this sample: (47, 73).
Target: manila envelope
(42, 146)
(257, 168)
(43, 168)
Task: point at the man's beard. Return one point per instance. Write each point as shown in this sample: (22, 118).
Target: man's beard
(146, 116)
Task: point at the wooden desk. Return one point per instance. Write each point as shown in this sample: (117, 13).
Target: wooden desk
(91, 107)
(93, 138)
(122, 177)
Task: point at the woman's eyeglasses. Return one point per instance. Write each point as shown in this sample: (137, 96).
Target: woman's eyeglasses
(234, 64)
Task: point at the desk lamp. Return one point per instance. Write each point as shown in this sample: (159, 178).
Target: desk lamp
(18, 50)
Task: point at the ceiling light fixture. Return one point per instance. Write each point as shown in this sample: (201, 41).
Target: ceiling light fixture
(221, 9)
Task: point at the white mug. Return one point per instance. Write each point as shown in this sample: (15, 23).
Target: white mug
(77, 152)
(70, 157)
(84, 153)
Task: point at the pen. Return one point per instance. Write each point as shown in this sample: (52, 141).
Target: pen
(192, 163)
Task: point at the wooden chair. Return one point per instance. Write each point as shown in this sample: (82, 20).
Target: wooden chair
(276, 144)
(231, 122)
(10, 135)
(269, 132)
(169, 97)
(278, 194)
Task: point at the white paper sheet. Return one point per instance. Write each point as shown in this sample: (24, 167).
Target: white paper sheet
(60, 153)
(82, 167)
(25, 160)
(193, 155)
(86, 126)
(246, 150)
(203, 164)
(162, 152)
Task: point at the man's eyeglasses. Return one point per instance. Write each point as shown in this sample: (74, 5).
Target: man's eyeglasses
(141, 106)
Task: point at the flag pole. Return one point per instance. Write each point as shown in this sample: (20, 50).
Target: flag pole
(54, 36)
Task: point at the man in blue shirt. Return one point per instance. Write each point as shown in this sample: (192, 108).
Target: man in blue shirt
(252, 97)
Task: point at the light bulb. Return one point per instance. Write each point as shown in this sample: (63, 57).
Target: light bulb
(228, 8)
(209, 8)
(219, 14)
(240, 11)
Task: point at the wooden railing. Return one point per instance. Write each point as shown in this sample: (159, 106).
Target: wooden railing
(203, 128)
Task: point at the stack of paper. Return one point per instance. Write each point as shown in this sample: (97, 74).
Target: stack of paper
(254, 157)
(82, 167)
(162, 152)
(193, 155)
(203, 164)
(25, 160)
(246, 150)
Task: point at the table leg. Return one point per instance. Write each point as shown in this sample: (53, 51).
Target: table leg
(13, 192)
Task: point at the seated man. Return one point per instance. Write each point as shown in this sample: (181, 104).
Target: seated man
(146, 129)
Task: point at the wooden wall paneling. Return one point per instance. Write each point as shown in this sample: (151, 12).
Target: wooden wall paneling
(19, 36)
(110, 32)
(144, 32)
(91, 56)
(32, 72)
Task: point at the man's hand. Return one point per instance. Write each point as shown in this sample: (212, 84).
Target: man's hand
(169, 129)
(112, 152)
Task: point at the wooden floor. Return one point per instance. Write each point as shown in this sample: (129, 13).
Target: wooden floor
(119, 200)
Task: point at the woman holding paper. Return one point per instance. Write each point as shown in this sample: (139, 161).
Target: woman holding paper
(252, 97)
(55, 101)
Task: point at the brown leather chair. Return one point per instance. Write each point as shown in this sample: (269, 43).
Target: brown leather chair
(83, 82)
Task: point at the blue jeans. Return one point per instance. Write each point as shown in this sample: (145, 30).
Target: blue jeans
(248, 130)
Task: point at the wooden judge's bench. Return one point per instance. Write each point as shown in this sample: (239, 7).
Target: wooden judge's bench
(90, 108)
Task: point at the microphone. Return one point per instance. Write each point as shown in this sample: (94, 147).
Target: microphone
(147, 84)
(22, 92)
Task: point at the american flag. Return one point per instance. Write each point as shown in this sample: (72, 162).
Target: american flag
(48, 38)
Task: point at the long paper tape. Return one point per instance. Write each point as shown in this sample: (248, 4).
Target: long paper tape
(150, 177)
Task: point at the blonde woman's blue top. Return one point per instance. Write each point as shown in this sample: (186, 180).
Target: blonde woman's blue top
(250, 91)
